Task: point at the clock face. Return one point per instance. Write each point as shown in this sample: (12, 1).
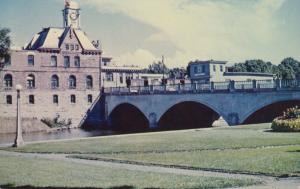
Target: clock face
(74, 16)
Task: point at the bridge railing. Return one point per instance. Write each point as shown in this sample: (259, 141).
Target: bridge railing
(228, 86)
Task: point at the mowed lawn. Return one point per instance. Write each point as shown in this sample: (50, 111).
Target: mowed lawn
(18, 172)
(248, 148)
(250, 136)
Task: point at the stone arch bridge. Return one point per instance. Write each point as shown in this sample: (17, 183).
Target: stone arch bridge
(157, 106)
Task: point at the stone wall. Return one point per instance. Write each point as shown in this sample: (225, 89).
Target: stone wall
(8, 125)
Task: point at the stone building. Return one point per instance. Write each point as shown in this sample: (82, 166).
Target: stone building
(59, 70)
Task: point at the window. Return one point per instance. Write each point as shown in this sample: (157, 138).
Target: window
(90, 98)
(54, 82)
(8, 81)
(73, 99)
(54, 61)
(72, 47)
(55, 99)
(203, 69)
(8, 99)
(214, 68)
(109, 76)
(30, 81)
(7, 60)
(31, 99)
(89, 82)
(121, 78)
(77, 47)
(67, 47)
(67, 61)
(195, 69)
(72, 82)
(30, 60)
(221, 68)
(77, 61)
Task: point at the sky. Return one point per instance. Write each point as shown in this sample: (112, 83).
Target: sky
(139, 32)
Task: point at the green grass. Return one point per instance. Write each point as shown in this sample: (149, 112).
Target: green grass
(217, 138)
(276, 161)
(38, 173)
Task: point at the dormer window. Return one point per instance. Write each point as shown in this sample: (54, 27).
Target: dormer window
(67, 47)
(72, 47)
(30, 60)
(77, 47)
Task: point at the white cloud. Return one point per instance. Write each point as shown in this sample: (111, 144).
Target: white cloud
(229, 30)
(139, 57)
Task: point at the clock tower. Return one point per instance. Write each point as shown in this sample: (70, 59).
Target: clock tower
(71, 14)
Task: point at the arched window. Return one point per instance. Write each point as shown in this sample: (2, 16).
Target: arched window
(72, 82)
(89, 82)
(30, 60)
(54, 61)
(8, 81)
(77, 61)
(54, 82)
(30, 81)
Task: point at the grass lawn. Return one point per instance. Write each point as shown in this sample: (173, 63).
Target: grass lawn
(38, 173)
(250, 149)
(275, 161)
(217, 138)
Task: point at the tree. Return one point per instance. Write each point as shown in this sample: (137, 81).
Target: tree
(289, 68)
(5, 42)
(158, 68)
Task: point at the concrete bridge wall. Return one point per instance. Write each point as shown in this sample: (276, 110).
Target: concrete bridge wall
(234, 107)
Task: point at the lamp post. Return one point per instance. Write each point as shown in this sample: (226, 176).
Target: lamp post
(19, 139)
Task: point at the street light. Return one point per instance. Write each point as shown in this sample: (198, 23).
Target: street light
(19, 139)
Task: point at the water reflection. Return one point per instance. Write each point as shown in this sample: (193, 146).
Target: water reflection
(65, 134)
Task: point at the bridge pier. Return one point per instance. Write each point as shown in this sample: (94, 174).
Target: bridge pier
(153, 123)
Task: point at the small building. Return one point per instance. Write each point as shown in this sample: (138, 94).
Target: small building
(125, 76)
(216, 71)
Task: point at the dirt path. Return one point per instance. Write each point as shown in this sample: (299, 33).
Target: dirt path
(270, 182)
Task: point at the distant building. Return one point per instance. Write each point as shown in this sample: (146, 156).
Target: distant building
(125, 76)
(216, 71)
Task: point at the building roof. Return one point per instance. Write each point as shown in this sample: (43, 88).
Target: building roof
(248, 74)
(121, 69)
(52, 38)
(207, 62)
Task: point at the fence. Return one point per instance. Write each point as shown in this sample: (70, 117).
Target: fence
(228, 86)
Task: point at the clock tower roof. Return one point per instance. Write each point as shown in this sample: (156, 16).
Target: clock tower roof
(71, 4)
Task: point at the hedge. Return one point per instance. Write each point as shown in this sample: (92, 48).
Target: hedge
(286, 125)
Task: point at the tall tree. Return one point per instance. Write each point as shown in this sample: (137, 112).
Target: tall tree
(5, 42)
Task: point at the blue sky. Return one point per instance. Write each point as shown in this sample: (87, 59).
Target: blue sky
(138, 32)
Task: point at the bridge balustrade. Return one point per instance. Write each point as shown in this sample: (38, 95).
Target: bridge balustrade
(228, 86)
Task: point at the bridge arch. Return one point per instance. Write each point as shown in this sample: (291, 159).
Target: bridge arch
(127, 117)
(187, 114)
(268, 110)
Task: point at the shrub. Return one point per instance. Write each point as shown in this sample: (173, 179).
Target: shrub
(291, 113)
(56, 122)
(289, 122)
(286, 125)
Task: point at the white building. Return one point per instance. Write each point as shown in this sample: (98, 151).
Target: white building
(216, 71)
(124, 76)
